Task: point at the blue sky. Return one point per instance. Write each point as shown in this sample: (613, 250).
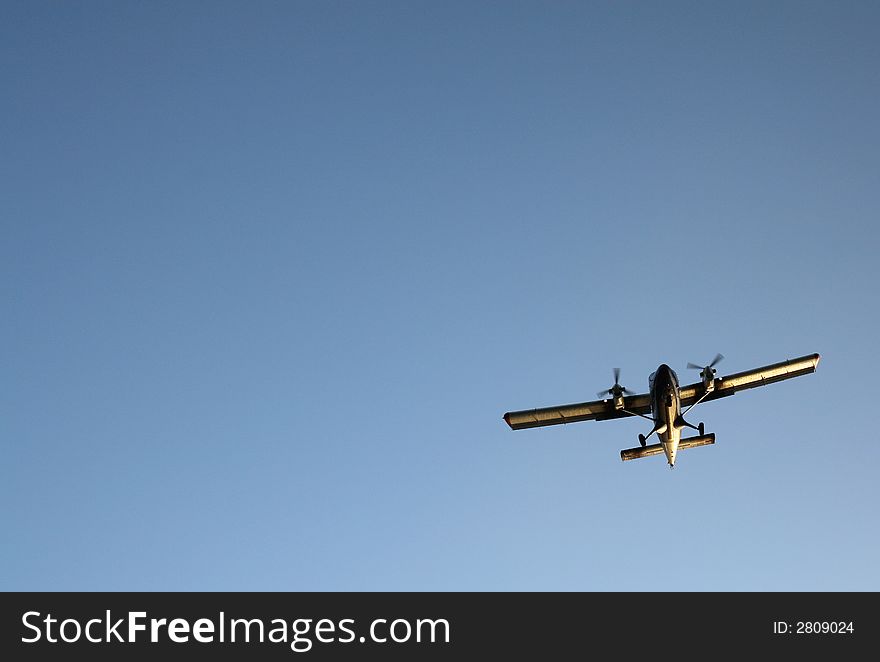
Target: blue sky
(272, 272)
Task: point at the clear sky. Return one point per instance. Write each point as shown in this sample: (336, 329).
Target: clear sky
(272, 272)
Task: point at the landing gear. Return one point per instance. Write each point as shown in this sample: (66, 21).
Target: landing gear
(681, 423)
(658, 429)
(701, 430)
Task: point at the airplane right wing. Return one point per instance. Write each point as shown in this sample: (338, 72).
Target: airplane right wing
(741, 381)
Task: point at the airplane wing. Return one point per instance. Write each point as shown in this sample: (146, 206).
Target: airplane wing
(598, 410)
(741, 381)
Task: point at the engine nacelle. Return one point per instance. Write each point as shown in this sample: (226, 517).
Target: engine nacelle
(708, 376)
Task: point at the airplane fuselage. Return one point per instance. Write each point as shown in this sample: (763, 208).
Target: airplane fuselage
(666, 409)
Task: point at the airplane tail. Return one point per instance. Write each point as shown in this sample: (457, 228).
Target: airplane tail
(657, 449)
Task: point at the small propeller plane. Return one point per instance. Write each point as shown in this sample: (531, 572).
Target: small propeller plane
(664, 402)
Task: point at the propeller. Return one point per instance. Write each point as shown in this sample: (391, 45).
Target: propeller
(708, 368)
(617, 389)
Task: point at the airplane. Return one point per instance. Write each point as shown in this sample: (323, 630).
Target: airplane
(664, 402)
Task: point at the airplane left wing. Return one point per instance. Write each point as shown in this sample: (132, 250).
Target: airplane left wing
(598, 410)
(768, 374)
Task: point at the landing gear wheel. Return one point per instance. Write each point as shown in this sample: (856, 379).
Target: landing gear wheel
(702, 429)
(642, 440)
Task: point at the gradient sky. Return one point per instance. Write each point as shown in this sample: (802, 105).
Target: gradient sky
(272, 272)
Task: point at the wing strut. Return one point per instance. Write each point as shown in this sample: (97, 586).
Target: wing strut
(696, 403)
